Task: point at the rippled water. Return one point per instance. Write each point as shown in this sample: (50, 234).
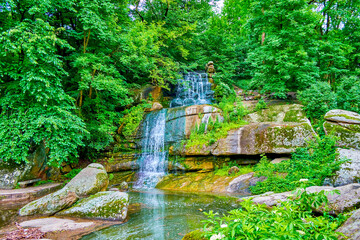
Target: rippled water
(164, 216)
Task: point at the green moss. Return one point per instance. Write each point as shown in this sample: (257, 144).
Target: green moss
(344, 116)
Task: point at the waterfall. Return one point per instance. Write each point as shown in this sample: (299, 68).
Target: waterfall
(153, 158)
(194, 89)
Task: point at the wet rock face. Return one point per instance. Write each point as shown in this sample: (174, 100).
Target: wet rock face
(108, 205)
(50, 204)
(345, 125)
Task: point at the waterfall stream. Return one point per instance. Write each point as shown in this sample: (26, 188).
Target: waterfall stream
(153, 158)
(193, 89)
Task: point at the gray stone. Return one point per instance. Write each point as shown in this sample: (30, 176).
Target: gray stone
(351, 228)
(279, 160)
(50, 204)
(55, 224)
(156, 106)
(342, 116)
(242, 183)
(90, 180)
(345, 125)
(108, 205)
(349, 171)
(348, 199)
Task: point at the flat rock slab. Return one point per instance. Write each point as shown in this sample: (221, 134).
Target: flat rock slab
(351, 227)
(55, 224)
(12, 196)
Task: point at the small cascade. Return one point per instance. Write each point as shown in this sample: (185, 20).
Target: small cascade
(153, 158)
(194, 89)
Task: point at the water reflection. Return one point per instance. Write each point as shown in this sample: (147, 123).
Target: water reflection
(164, 216)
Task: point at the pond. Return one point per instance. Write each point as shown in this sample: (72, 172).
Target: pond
(163, 215)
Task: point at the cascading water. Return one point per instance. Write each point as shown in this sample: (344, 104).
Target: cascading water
(153, 158)
(194, 89)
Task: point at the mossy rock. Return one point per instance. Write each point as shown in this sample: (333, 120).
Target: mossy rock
(108, 205)
(342, 116)
(90, 180)
(50, 204)
(348, 134)
(194, 235)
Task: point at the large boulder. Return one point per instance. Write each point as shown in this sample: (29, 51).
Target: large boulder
(242, 183)
(348, 199)
(350, 171)
(258, 138)
(90, 180)
(351, 227)
(108, 205)
(278, 113)
(50, 204)
(345, 125)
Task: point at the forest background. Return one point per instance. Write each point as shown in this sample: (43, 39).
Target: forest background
(69, 68)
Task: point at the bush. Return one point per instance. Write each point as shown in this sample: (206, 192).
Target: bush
(292, 219)
(221, 90)
(72, 173)
(315, 162)
(318, 99)
(347, 94)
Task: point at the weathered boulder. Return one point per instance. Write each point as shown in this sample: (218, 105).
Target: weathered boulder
(350, 171)
(50, 204)
(342, 116)
(242, 183)
(279, 160)
(156, 106)
(351, 227)
(90, 180)
(279, 113)
(120, 162)
(348, 199)
(108, 205)
(345, 125)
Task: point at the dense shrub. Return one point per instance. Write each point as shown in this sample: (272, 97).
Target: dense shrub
(318, 99)
(292, 219)
(348, 94)
(315, 162)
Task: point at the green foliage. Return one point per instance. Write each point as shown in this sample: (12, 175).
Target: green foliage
(261, 104)
(221, 90)
(131, 119)
(72, 173)
(347, 94)
(42, 182)
(224, 170)
(292, 219)
(315, 162)
(318, 99)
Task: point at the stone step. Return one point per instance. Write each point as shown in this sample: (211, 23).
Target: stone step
(23, 195)
(28, 183)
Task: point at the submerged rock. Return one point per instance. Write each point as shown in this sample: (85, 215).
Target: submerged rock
(90, 180)
(345, 125)
(351, 227)
(50, 204)
(108, 205)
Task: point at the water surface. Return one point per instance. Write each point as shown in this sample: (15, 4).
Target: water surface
(164, 215)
